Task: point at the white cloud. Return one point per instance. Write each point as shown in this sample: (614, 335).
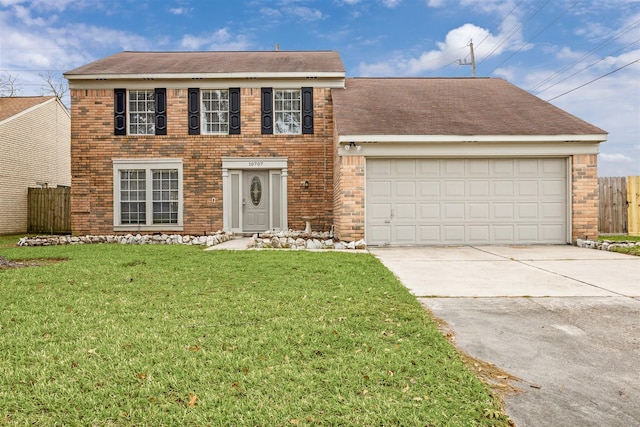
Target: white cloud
(304, 13)
(616, 158)
(180, 10)
(218, 40)
(391, 3)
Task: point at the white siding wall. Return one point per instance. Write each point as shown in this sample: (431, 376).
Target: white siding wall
(34, 148)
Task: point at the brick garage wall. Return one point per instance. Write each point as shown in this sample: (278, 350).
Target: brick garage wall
(348, 196)
(94, 147)
(584, 197)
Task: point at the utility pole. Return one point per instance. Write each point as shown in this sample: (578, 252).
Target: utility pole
(473, 60)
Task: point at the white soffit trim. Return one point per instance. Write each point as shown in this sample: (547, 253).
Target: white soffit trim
(184, 82)
(470, 138)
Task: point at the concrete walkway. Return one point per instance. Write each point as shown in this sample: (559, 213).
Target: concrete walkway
(564, 320)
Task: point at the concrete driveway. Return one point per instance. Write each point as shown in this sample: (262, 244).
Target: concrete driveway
(564, 320)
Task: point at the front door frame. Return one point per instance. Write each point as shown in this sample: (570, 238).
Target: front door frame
(232, 171)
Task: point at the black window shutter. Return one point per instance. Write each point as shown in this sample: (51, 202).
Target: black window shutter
(267, 111)
(194, 111)
(161, 111)
(234, 111)
(119, 111)
(307, 110)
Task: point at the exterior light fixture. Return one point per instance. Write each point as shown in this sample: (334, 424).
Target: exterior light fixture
(351, 145)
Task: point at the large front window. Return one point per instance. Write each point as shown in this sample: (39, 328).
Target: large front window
(287, 111)
(148, 194)
(215, 111)
(142, 112)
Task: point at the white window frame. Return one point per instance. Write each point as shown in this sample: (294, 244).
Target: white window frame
(141, 119)
(222, 125)
(148, 165)
(284, 112)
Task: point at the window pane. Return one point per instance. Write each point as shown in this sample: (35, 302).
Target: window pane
(215, 111)
(287, 111)
(165, 194)
(132, 197)
(142, 106)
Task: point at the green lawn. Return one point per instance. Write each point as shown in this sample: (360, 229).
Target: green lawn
(174, 335)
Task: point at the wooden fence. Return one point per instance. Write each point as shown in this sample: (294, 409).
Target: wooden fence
(49, 210)
(619, 208)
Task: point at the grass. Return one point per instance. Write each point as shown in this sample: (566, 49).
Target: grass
(173, 335)
(623, 238)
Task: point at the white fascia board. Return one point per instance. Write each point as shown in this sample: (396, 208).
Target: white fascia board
(183, 83)
(471, 138)
(475, 149)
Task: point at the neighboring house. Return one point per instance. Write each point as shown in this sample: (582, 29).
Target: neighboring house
(34, 152)
(190, 142)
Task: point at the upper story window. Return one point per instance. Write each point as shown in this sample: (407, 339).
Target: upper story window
(142, 112)
(215, 111)
(287, 109)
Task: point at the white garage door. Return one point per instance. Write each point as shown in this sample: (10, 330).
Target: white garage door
(466, 201)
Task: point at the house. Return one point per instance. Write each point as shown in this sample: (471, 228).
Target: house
(191, 142)
(35, 135)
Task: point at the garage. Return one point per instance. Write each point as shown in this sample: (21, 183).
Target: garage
(466, 201)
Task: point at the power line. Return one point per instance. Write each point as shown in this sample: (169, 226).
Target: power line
(586, 55)
(588, 66)
(594, 80)
(515, 30)
(536, 35)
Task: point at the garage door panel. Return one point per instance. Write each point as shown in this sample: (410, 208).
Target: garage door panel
(503, 233)
(405, 234)
(527, 210)
(453, 233)
(404, 167)
(429, 167)
(503, 189)
(429, 234)
(381, 168)
(379, 233)
(429, 189)
(479, 189)
(503, 211)
(478, 211)
(458, 201)
(552, 188)
(404, 189)
(380, 189)
(405, 211)
(453, 189)
(379, 211)
(527, 188)
(478, 233)
(478, 167)
(453, 211)
(429, 211)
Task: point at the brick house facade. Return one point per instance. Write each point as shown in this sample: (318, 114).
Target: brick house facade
(299, 139)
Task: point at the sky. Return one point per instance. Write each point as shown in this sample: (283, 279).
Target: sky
(582, 56)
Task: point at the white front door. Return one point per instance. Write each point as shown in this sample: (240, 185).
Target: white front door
(255, 200)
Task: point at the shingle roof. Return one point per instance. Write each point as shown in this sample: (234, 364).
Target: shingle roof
(10, 106)
(448, 106)
(213, 62)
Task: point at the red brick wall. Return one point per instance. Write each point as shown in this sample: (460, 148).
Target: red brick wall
(93, 147)
(584, 196)
(348, 197)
